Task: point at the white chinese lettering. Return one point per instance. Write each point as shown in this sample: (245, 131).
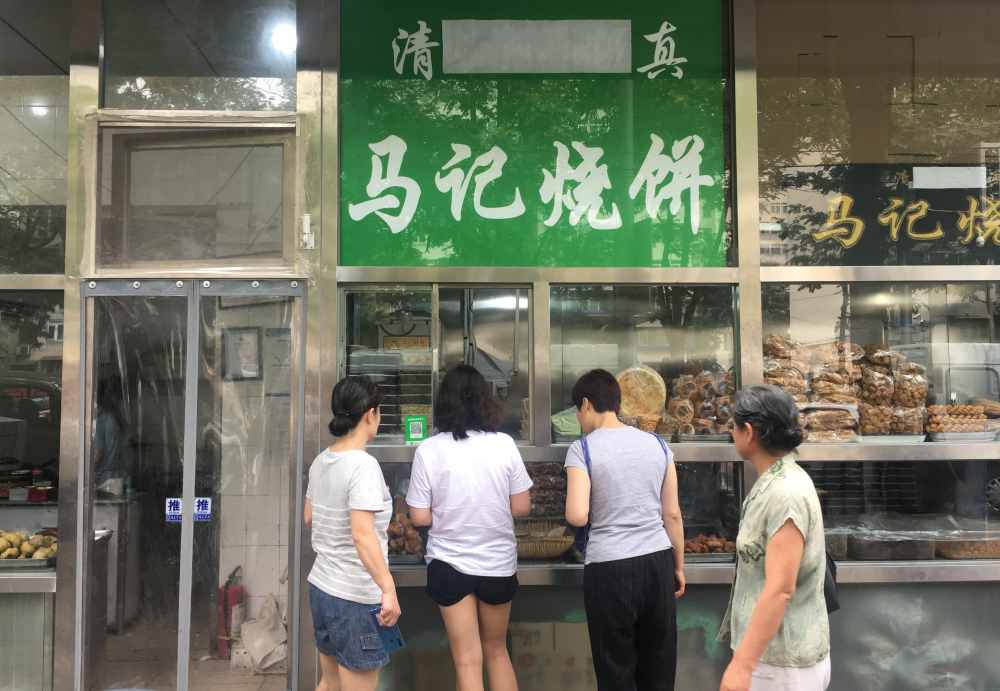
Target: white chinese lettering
(455, 180)
(683, 168)
(393, 149)
(417, 44)
(663, 53)
(584, 198)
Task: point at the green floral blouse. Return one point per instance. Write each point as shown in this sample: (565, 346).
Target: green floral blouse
(785, 492)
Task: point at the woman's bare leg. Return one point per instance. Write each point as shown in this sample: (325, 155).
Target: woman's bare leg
(329, 668)
(462, 623)
(493, 621)
(351, 680)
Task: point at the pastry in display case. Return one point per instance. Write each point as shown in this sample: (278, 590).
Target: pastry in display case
(670, 347)
(544, 534)
(894, 350)
(710, 496)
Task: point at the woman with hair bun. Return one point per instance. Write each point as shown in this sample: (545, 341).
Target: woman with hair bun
(348, 507)
(777, 621)
(468, 483)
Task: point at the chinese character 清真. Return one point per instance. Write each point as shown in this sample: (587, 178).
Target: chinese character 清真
(417, 44)
(663, 53)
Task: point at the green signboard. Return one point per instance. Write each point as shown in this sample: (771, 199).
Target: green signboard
(533, 134)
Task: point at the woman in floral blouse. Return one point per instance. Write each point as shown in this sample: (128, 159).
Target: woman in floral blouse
(777, 620)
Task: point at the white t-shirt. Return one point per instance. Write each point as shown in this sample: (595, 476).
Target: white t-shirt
(468, 485)
(340, 482)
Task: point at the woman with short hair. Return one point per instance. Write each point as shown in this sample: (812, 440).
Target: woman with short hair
(348, 507)
(777, 623)
(623, 482)
(468, 483)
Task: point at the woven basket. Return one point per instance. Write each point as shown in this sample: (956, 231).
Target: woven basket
(543, 547)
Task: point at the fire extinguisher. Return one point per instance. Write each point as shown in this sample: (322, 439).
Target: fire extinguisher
(230, 606)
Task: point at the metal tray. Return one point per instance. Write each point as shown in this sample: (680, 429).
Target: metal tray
(688, 438)
(711, 558)
(963, 436)
(892, 438)
(26, 564)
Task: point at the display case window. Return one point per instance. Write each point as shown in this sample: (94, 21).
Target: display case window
(405, 337)
(672, 348)
(879, 362)
(388, 338)
(489, 328)
(883, 511)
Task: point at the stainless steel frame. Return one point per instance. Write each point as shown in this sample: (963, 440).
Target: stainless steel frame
(192, 291)
(317, 195)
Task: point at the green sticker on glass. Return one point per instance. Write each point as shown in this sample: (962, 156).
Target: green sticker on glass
(414, 428)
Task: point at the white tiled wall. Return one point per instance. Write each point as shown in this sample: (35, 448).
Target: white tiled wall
(254, 484)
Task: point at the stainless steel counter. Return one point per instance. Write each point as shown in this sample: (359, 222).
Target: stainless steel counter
(848, 572)
(28, 581)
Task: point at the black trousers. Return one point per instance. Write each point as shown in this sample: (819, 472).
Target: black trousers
(632, 618)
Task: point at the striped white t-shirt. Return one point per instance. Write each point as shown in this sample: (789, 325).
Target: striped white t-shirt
(340, 482)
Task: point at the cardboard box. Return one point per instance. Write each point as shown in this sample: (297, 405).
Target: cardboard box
(572, 667)
(533, 653)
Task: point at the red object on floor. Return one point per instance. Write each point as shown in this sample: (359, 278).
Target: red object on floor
(230, 595)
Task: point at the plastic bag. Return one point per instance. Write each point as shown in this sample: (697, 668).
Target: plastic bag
(911, 391)
(876, 388)
(265, 637)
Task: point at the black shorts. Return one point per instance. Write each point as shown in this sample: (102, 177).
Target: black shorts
(447, 586)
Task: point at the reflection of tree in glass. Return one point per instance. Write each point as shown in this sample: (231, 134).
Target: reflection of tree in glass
(823, 137)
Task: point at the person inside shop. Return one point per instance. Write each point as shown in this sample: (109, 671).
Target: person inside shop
(622, 482)
(777, 623)
(348, 507)
(110, 438)
(468, 483)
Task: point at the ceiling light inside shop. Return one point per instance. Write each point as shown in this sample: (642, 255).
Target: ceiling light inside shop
(39, 111)
(284, 39)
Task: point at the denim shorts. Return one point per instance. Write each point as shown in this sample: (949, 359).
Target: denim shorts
(346, 631)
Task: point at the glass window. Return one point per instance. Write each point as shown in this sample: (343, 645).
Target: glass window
(902, 510)
(490, 329)
(878, 359)
(878, 133)
(34, 100)
(199, 196)
(390, 337)
(30, 398)
(672, 347)
(220, 55)
(387, 337)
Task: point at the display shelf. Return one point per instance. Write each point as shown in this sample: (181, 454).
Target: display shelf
(724, 453)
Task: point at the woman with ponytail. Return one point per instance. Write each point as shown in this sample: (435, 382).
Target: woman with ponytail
(777, 622)
(348, 507)
(468, 483)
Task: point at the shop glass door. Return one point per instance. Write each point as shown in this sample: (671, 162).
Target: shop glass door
(195, 412)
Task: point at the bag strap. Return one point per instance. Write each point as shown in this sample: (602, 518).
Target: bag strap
(586, 452)
(663, 445)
